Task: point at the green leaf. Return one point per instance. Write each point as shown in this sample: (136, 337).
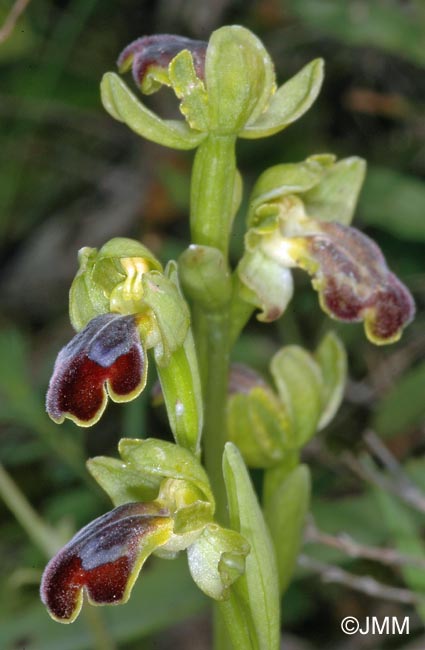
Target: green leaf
(239, 78)
(217, 559)
(258, 588)
(403, 406)
(394, 202)
(289, 103)
(285, 514)
(334, 198)
(299, 384)
(332, 359)
(120, 102)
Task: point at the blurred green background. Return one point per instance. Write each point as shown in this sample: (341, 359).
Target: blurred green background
(70, 176)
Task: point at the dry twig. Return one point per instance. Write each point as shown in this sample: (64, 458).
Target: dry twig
(11, 19)
(397, 483)
(351, 547)
(365, 584)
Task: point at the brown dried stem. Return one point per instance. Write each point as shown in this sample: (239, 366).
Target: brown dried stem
(11, 19)
(354, 549)
(364, 584)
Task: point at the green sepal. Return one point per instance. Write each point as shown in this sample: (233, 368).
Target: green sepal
(287, 178)
(167, 331)
(205, 277)
(329, 190)
(257, 590)
(217, 559)
(190, 90)
(335, 197)
(181, 385)
(97, 287)
(299, 383)
(121, 481)
(289, 102)
(332, 359)
(124, 106)
(239, 79)
(265, 284)
(108, 270)
(258, 425)
(157, 460)
(285, 513)
(86, 298)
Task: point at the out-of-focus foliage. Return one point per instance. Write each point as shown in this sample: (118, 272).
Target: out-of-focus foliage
(70, 176)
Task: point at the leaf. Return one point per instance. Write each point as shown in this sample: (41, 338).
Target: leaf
(289, 103)
(258, 587)
(285, 513)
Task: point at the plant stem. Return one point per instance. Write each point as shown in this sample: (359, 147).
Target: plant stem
(212, 192)
(215, 391)
(212, 211)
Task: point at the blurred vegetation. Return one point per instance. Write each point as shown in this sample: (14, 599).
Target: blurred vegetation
(70, 176)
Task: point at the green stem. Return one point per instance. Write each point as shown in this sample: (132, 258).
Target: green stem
(215, 394)
(213, 205)
(213, 192)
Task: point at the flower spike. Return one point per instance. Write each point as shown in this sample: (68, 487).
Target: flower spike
(105, 358)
